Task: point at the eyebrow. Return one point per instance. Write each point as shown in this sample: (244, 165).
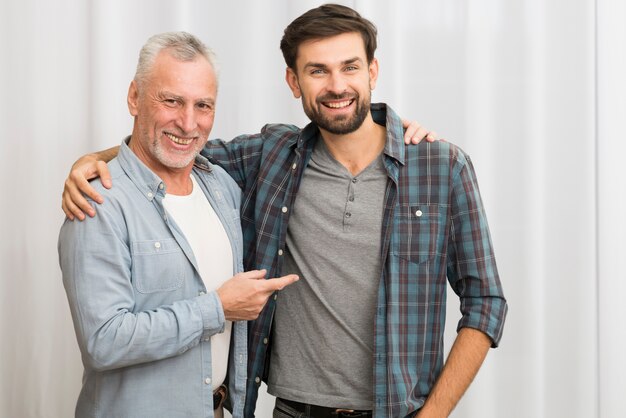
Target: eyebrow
(170, 95)
(320, 65)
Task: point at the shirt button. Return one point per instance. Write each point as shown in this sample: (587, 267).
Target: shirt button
(150, 195)
(351, 198)
(293, 167)
(275, 296)
(264, 340)
(161, 186)
(257, 379)
(207, 339)
(354, 180)
(200, 293)
(280, 252)
(418, 213)
(207, 380)
(348, 214)
(157, 245)
(284, 209)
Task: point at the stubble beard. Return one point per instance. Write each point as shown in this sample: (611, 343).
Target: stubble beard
(166, 158)
(343, 124)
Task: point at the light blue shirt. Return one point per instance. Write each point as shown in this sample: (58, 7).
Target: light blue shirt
(142, 314)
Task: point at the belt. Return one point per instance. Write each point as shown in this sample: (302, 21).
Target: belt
(317, 411)
(219, 396)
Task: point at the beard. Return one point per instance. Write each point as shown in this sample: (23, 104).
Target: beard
(338, 125)
(178, 160)
(173, 158)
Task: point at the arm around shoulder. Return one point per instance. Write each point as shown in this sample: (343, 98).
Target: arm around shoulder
(77, 186)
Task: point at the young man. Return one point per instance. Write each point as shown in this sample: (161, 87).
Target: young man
(152, 299)
(373, 228)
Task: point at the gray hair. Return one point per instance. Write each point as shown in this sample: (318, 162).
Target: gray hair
(181, 45)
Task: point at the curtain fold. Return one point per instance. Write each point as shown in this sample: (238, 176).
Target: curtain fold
(532, 90)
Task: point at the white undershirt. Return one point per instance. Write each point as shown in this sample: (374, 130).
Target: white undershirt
(211, 247)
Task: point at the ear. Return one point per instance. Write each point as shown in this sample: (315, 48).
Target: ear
(373, 70)
(292, 80)
(133, 98)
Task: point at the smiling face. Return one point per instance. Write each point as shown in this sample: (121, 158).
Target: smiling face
(174, 109)
(334, 80)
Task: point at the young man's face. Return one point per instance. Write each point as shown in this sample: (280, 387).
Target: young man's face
(334, 80)
(174, 111)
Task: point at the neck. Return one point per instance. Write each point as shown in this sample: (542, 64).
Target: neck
(177, 180)
(358, 149)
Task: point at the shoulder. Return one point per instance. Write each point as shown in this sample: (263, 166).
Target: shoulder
(225, 181)
(118, 178)
(122, 195)
(279, 131)
(110, 214)
(437, 151)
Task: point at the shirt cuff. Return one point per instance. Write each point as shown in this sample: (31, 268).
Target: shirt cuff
(486, 315)
(213, 320)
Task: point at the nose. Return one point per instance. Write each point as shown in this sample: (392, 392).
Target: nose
(187, 119)
(337, 83)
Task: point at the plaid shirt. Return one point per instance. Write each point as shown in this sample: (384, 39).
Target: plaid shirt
(434, 228)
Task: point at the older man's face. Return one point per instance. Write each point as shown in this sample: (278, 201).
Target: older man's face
(174, 109)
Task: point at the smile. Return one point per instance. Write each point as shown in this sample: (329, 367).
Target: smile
(338, 105)
(179, 141)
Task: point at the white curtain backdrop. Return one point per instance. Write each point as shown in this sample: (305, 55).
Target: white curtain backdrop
(533, 90)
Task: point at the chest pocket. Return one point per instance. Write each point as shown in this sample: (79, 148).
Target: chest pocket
(418, 232)
(158, 265)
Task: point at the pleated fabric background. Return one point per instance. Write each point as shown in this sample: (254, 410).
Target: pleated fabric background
(533, 90)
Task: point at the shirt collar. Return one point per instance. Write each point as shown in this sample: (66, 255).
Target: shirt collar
(310, 133)
(383, 115)
(394, 146)
(145, 179)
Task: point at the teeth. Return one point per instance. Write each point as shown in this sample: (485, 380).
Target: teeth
(338, 105)
(179, 140)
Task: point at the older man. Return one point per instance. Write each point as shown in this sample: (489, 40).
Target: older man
(155, 282)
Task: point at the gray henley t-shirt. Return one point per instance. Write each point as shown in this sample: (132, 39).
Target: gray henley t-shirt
(324, 324)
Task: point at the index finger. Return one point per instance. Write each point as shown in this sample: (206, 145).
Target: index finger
(104, 174)
(83, 187)
(411, 129)
(279, 283)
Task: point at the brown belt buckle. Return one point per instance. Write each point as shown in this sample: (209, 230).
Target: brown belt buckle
(219, 397)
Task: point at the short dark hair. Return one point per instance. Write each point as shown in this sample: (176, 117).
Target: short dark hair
(323, 22)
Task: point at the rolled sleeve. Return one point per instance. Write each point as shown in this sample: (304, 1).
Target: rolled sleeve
(472, 270)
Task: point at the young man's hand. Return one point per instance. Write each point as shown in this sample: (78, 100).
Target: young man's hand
(77, 185)
(415, 132)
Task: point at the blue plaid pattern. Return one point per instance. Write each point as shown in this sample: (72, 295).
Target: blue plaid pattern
(434, 231)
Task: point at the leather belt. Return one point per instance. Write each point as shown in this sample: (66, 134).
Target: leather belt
(219, 396)
(324, 411)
